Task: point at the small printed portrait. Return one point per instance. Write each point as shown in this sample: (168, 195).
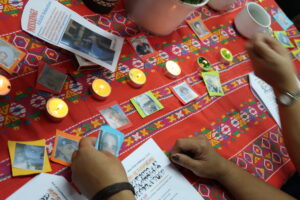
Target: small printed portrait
(88, 42)
(283, 20)
(185, 93)
(52, 78)
(109, 142)
(146, 104)
(115, 117)
(29, 157)
(8, 55)
(64, 149)
(296, 53)
(199, 28)
(213, 84)
(141, 45)
(297, 42)
(283, 39)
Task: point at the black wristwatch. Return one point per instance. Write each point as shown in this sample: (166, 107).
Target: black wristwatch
(288, 98)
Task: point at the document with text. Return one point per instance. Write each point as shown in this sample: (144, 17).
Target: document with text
(154, 177)
(58, 25)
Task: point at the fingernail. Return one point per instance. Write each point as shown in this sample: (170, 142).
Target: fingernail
(175, 158)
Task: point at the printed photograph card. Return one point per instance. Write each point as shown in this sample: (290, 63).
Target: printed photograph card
(64, 146)
(283, 20)
(28, 157)
(282, 37)
(297, 42)
(142, 46)
(51, 79)
(10, 56)
(213, 83)
(199, 28)
(146, 104)
(114, 116)
(184, 92)
(109, 139)
(296, 53)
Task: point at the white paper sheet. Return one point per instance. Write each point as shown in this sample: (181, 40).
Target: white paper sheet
(53, 22)
(266, 94)
(47, 187)
(153, 176)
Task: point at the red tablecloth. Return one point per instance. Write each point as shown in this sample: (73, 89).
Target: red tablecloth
(238, 125)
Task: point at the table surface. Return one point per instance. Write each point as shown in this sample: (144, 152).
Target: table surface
(238, 125)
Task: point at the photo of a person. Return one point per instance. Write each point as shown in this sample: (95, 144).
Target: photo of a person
(83, 39)
(200, 29)
(213, 84)
(146, 104)
(65, 148)
(8, 55)
(29, 157)
(114, 116)
(284, 39)
(141, 45)
(52, 78)
(185, 92)
(109, 142)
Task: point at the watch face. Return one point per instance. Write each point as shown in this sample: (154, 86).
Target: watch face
(285, 99)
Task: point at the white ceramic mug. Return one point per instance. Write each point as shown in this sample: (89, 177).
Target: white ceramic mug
(221, 4)
(253, 19)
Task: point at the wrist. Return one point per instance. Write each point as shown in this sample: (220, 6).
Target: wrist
(227, 168)
(292, 86)
(125, 194)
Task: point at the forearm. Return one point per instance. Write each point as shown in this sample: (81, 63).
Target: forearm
(244, 186)
(290, 120)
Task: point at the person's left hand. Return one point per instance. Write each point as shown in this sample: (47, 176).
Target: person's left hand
(197, 155)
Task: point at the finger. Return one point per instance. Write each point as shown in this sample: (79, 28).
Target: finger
(261, 48)
(74, 156)
(184, 161)
(186, 145)
(252, 54)
(275, 45)
(87, 142)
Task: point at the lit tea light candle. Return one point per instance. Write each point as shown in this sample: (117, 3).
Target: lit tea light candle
(5, 86)
(57, 109)
(203, 64)
(137, 78)
(226, 55)
(172, 69)
(100, 89)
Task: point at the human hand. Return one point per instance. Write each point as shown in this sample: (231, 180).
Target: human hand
(93, 170)
(197, 155)
(272, 63)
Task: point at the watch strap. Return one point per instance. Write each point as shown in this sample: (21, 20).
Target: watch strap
(113, 189)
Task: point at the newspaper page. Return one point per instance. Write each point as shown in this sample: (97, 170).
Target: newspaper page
(56, 24)
(154, 177)
(47, 187)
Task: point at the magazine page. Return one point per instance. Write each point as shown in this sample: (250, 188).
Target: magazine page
(58, 25)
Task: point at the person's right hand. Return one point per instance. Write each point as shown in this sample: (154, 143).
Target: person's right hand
(272, 63)
(197, 155)
(93, 170)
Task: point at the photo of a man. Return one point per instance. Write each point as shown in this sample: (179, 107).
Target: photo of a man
(141, 45)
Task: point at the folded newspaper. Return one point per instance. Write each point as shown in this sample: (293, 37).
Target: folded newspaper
(56, 24)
